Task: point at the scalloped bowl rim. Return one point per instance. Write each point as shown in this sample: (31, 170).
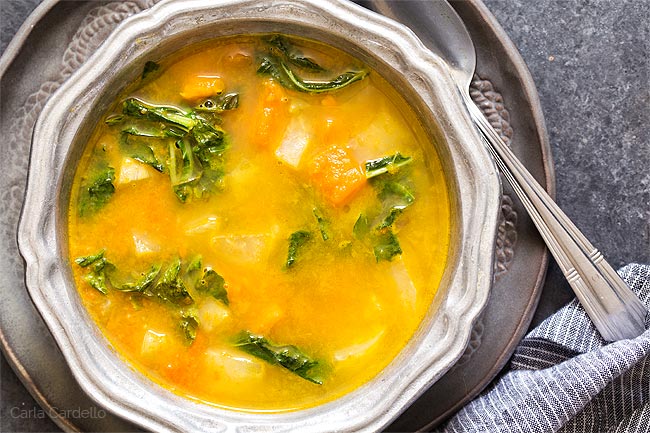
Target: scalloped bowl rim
(434, 349)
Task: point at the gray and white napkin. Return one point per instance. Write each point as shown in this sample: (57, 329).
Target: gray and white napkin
(564, 377)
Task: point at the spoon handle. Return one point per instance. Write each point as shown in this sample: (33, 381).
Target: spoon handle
(614, 309)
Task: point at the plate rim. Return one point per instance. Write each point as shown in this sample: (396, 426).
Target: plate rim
(18, 42)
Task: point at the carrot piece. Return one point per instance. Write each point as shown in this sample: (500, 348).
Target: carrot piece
(337, 174)
(273, 115)
(202, 86)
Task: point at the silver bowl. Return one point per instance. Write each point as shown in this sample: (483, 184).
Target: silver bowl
(388, 47)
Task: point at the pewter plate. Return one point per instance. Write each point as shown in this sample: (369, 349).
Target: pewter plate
(67, 32)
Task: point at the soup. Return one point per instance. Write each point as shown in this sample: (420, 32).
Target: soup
(259, 223)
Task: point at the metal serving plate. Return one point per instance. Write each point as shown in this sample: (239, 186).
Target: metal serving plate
(56, 40)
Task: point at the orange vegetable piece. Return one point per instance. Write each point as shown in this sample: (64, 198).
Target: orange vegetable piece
(273, 115)
(337, 174)
(202, 86)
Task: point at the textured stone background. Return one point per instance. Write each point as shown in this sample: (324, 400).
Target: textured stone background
(590, 60)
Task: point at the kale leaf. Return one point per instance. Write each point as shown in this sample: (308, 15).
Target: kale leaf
(214, 285)
(167, 288)
(149, 68)
(296, 241)
(276, 60)
(387, 164)
(97, 191)
(219, 104)
(323, 224)
(386, 246)
(289, 357)
(195, 158)
(189, 323)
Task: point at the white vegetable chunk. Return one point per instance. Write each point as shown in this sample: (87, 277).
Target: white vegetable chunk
(144, 244)
(131, 171)
(404, 283)
(203, 225)
(235, 365)
(382, 137)
(358, 349)
(243, 249)
(294, 143)
(212, 314)
(152, 343)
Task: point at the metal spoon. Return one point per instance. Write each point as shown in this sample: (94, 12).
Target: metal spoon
(614, 309)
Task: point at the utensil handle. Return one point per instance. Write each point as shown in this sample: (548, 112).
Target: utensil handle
(614, 309)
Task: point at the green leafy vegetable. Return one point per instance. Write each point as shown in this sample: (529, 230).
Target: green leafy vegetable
(97, 281)
(361, 227)
(296, 241)
(219, 104)
(386, 246)
(189, 323)
(98, 191)
(390, 218)
(275, 63)
(167, 288)
(170, 286)
(397, 191)
(195, 264)
(323, 224)
(138, 149)
(292, 55)
(171, 116)
(89, 260)
(213, 284)
(387, 164)
(393, 188)
(149, 68)
(289, 357)
(96, 275)
(288, 78)
(143, 283)
(196, 153)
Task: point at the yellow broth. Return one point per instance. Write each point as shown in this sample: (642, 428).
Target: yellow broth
(294, 162)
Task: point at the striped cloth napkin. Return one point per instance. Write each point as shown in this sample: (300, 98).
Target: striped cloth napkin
(564, 377)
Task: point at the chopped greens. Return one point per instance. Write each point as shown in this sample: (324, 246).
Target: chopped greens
(296, 241)
(97, 191)
(219, 104)
(289, 357)
(290, 53)
(143, 283)
(138, 149)
(277, 69)
(167, 287)
(189, 323)
(361, 227)
(395, 194)
(390, 218)
(89, 260)
(323, 224)
(196, 145)
(387, 164)
(170, 286)
(386, 246)
(396, 191)
(213, 284)
(96, 276)
(149, 68)
(195, 264)
(275, 63)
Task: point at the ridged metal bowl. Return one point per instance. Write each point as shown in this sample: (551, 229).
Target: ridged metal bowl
(68, 119)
